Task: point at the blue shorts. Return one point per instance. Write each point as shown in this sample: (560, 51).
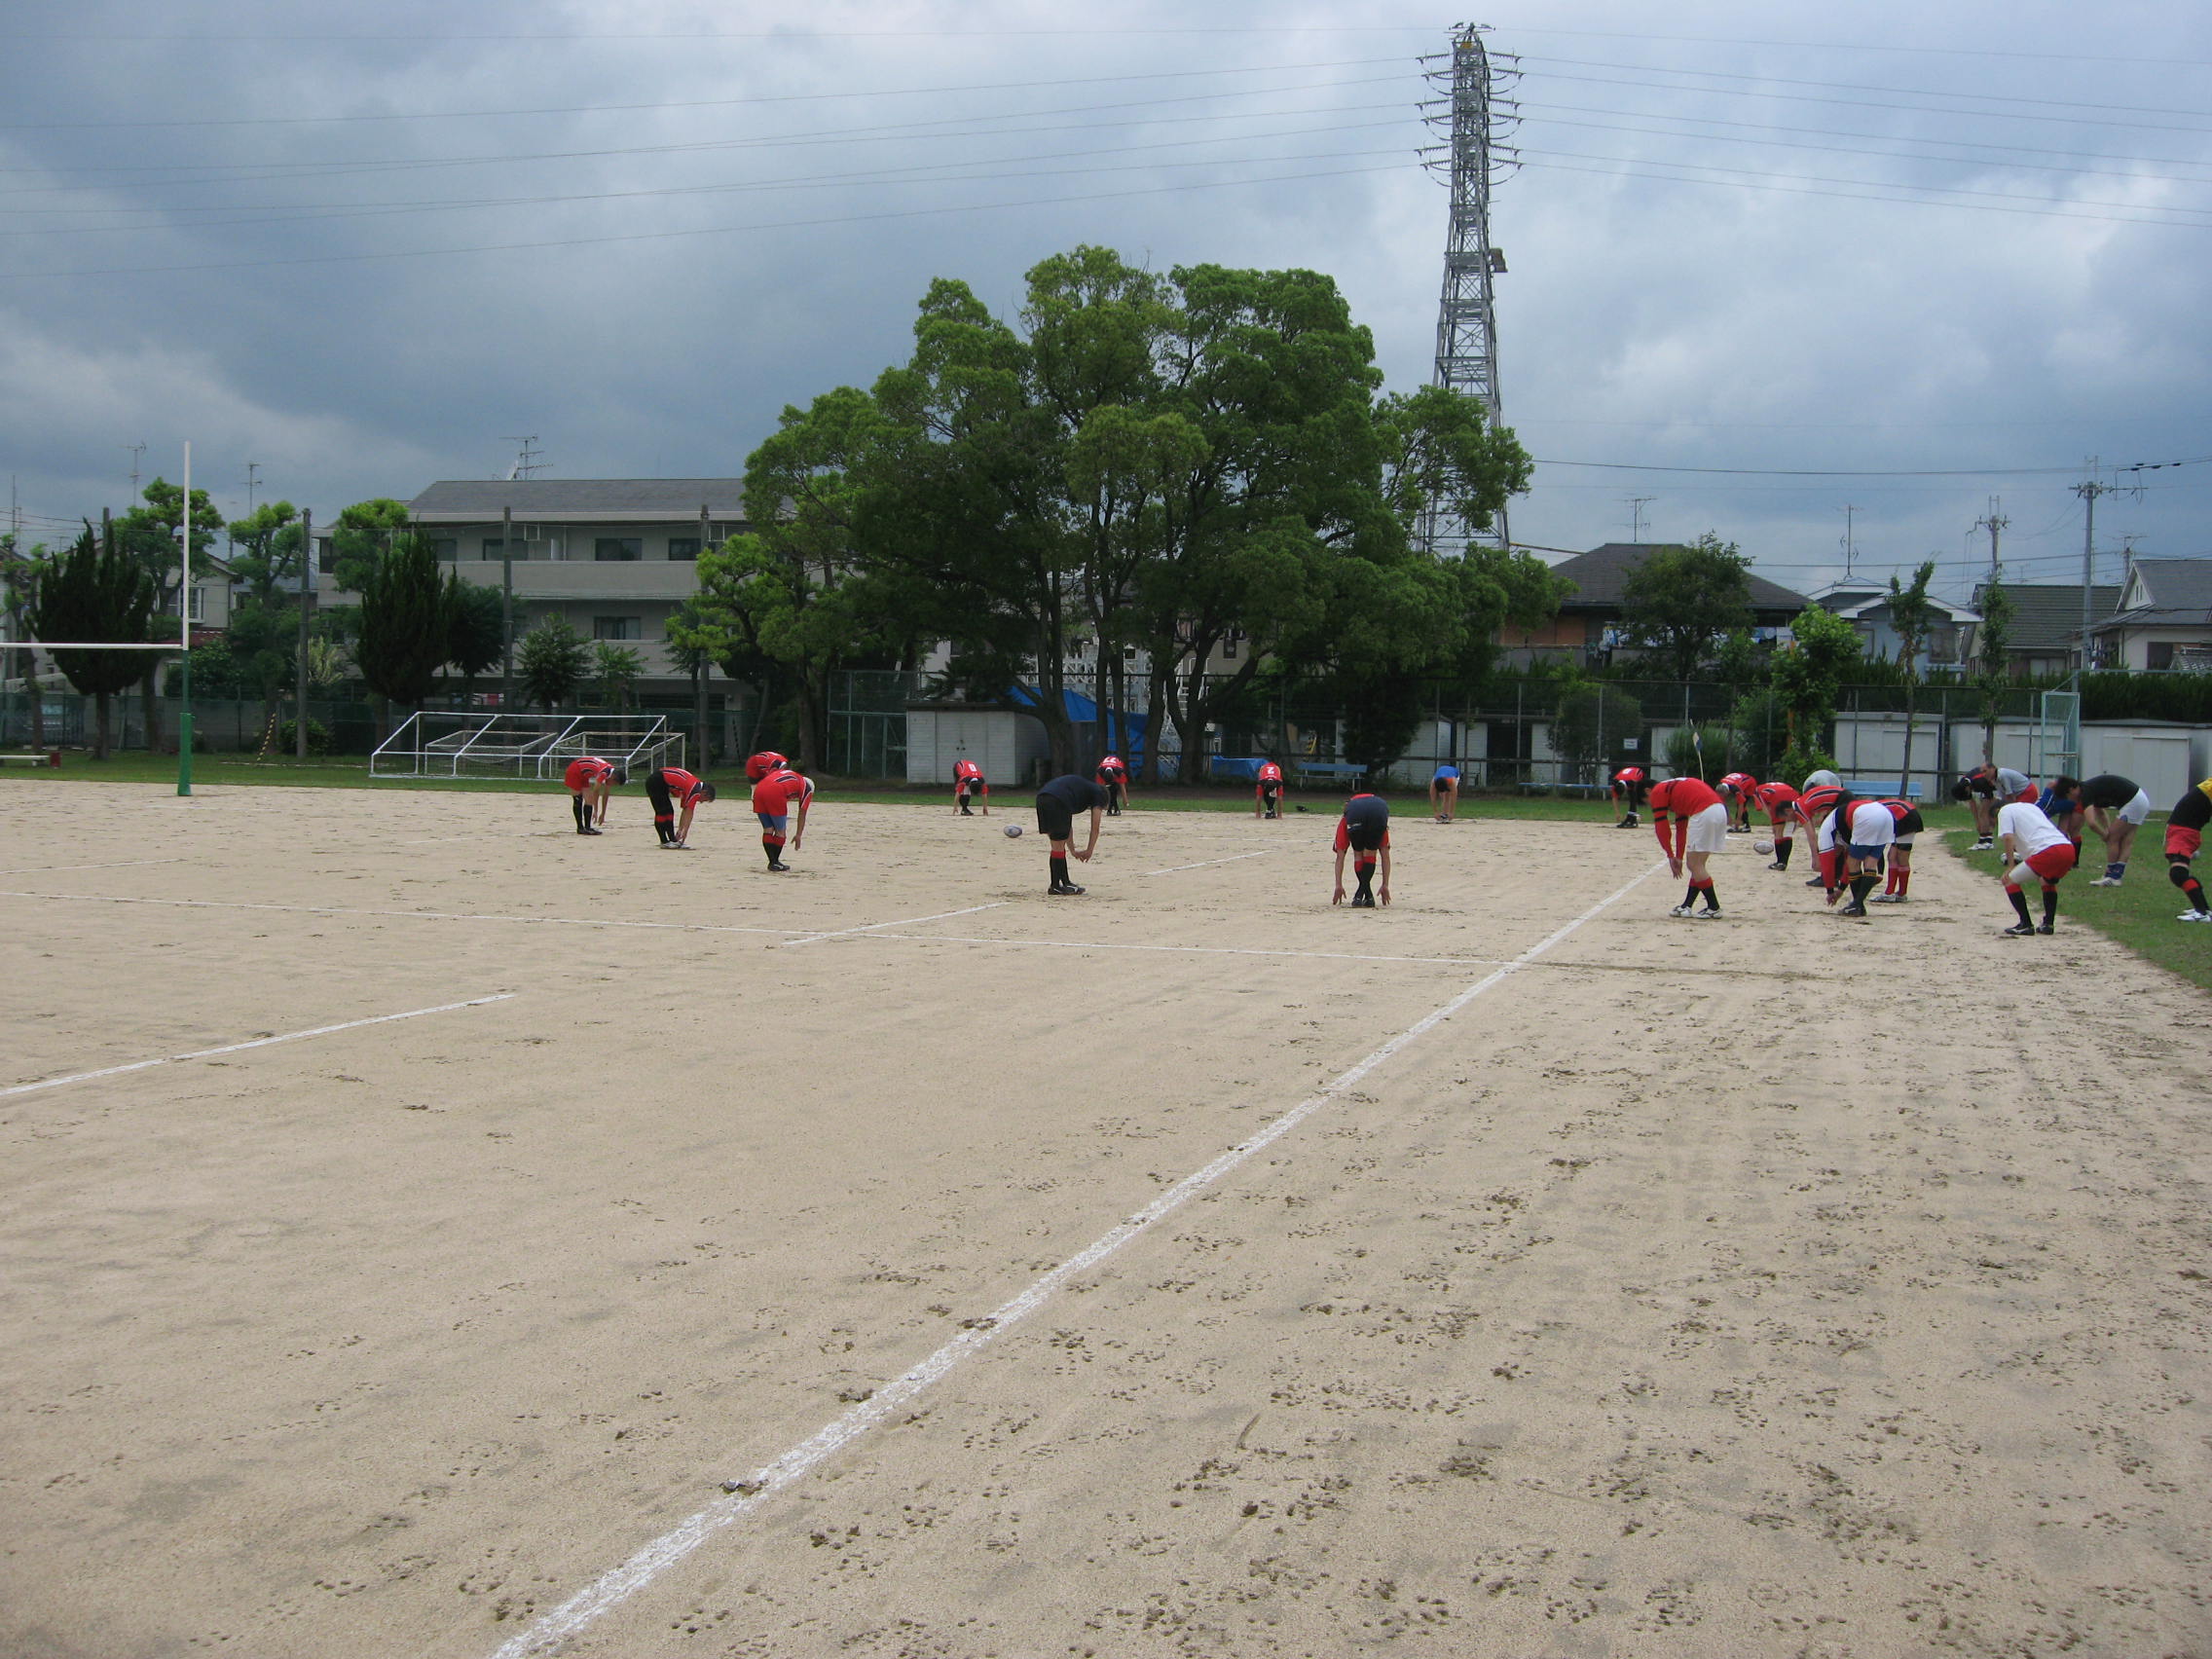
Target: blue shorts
(1859, 852)
(771, 823)
(1444, 773)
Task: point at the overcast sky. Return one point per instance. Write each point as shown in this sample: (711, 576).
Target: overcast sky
(1948, 253)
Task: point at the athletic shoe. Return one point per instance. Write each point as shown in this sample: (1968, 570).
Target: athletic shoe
(1778, 864)
(1363, 901)
(1857, 913)
(778, 864)
(2020, 930)
(1817, 881)
(1982, 847)
(2195, 916)
(1707, 915)
(1682, 911)
(2047, 928)
(2106, 881)
(1885, 899)
(1063, 890)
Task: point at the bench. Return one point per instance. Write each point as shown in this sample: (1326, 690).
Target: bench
(1339, 771)
(50, 757)
(1880, 787)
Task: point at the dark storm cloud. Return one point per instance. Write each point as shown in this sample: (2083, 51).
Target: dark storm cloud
(667, 237)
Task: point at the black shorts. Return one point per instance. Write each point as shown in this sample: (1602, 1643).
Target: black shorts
(1053, 819)
(1911, 823)
(1268, 791)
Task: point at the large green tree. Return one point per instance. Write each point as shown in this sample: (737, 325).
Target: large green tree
(359, 539)
(96, 591)
(404, 629)
(1681, 602)
(476, 626)
(1181, 463)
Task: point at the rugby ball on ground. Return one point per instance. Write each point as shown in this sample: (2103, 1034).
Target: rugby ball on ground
(1762, 846)
(1013, 830)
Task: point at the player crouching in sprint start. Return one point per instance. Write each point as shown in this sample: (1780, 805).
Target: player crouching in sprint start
(772, 799)
(1267, 791)
(667, 788)
(1699, 830)
(1364, 832)
(1057, 803)
(591, 780)
(2029, 844)
(969, 784)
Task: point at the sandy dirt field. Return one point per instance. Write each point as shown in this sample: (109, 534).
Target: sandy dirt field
(1778, 1286)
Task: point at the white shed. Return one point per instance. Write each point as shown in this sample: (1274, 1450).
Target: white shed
(1006, 744)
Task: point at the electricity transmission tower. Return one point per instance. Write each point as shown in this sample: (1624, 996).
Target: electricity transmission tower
(1474, 112)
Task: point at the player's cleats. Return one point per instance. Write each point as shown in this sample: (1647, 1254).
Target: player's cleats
(1681, 910)
(1709, 914)
(1854, 910)
(778, 864)
(2047, 928)
(2195, 916)
(1363, 901)
(2020, 930)
(1984, 845)
(1886, 898)
(1778, 864)
(1064, 890)
(2106, 881)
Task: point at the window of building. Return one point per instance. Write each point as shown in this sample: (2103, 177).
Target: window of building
(495, 548)
(683, 549)
(446, 547)
(1230, 643)
(617, 628)
(2160, 654)
(618, 549)
(200, 608)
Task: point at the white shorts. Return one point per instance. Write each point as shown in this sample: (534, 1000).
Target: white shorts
(1707, 831)
(2136, 810)
(1871, 825)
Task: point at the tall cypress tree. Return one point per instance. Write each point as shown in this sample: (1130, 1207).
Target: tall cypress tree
(96, 592)
(404, 636)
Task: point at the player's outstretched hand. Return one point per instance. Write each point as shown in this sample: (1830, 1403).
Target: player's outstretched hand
(1085, 855)
(1383, 893)
(1338, 899)
(1675, 867)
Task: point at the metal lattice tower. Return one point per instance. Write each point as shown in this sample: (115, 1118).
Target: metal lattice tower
(1475, 114)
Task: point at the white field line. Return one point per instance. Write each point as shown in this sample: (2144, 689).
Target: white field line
(256, 1043)
(1205, 863)
(405, 915)
(906, 922)
(488, 835)
(1190, 949)
(119, 863)
(618, 1585)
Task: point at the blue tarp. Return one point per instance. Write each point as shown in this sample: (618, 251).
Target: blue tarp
(1125, 738)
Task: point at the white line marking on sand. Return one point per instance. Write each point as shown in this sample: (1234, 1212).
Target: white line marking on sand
(613, 1588)
(404, 915)
(256, 1043)
(905, 922)
(1203, 863)
(119, 863)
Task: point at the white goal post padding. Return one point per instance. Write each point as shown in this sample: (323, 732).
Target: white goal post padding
(461, 743)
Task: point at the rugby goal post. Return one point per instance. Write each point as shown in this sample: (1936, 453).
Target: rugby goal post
(461, 743)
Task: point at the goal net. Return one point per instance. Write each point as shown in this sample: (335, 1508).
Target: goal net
(439, 742)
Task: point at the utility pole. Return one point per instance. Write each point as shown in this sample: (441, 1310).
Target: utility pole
(1850, 547)
(251, 468)
(300, 657)
(1636, 506)
(136, 451)
(1994, 522)
(506, 609)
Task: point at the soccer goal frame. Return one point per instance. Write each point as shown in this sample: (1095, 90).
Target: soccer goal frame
(2057, 736)
(467, 743)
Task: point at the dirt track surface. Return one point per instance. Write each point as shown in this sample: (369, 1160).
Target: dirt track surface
(1773, 1286)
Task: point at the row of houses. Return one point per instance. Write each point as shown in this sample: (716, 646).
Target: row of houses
(2158, 618)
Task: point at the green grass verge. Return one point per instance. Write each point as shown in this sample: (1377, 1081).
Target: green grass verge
(2138, 914)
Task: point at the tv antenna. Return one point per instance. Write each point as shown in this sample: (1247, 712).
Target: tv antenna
(136, 451)
(1636, 506)
(526, 463)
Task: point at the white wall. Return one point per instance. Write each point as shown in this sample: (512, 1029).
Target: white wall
(1002, 742)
